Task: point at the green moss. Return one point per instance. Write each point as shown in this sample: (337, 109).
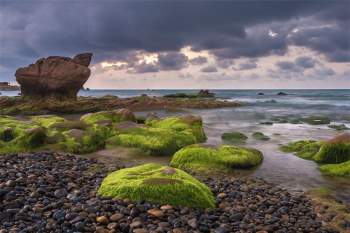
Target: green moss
(260, 136)
(317, 120)
(160, 136)
(341, 169)
(47, 121)
(190, 124)
(234, 137)
(80, 141)
(28, 140)
(153, 141)
(305, 149)
(223, 158)
(108, 116)
(157, 184)
(338, 127)
(333, 153)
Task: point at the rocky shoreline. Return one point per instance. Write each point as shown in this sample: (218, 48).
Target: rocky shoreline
(52, 192)
(25, 106)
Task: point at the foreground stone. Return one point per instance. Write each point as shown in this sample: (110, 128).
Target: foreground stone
(55, 76)
(157, 184)
(224, 158)
(28, 183)
(23, 106)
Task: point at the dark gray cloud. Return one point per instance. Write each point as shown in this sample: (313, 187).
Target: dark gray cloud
(330, 40)
(166, 61)
(209, 69)
(198, 60)
(298, 65)
(286, 65)
(113, 29)
(144, 68)
(224, 63)
(172, 61)
(248, 65)
(305, 62)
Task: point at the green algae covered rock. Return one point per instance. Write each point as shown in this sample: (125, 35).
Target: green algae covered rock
(305, 149)
(204, 158)
(191, 124)
(235, 137)
(338, 127)
(93, 131)
(47, 120)
(260, 136)
(333, 155)
(341, 169)
(114, 116)
(317, 120)
(336, 150)
(157, 184)
(160, 136)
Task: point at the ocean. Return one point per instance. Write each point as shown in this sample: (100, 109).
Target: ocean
(284, 169)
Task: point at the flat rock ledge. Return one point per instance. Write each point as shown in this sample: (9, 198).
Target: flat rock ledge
(23, 106)
(51, 192)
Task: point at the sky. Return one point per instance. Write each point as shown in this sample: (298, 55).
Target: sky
(184, 44)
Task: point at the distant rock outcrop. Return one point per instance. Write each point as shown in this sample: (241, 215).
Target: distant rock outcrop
(55, 77)
(5, 86)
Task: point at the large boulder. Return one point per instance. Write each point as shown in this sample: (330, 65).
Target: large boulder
(157, 184)
(204, 158)
(55, 76)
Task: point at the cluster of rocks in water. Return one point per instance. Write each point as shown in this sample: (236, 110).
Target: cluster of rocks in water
(50, 192)
(333, 155)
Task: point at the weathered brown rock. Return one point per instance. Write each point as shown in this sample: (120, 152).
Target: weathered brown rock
(57, 77)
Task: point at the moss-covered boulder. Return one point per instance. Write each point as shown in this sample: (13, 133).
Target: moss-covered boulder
(317, 120)
(333, 155)
(160, 136)
(114, 116)
(117, 128)
(260, 136)
(47, 121)
(336, 150)
(341, 169)
(205, 159)
(305, 149)
(234, 137)
(157, 184)
(189, 123)
(28, 140)
(338, 127)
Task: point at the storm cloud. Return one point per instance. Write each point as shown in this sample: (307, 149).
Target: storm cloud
(113, 30)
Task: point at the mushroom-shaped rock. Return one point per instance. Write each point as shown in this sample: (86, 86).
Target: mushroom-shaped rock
(55, 77)
(157, 184)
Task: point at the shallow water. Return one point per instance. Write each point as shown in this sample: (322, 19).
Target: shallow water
(281, 168)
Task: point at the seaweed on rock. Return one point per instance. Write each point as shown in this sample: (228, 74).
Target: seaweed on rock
(341, 169)
(157, 184)
(206, 159)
